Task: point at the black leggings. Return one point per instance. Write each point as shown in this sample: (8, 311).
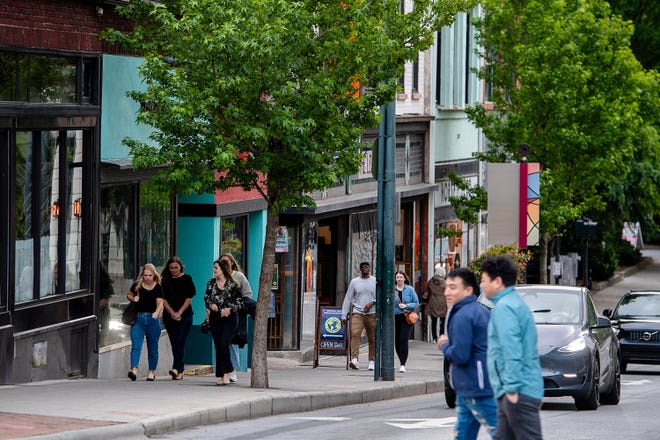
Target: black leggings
(434, 327)
(401, 336)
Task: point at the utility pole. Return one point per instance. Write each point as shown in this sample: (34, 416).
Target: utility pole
(384, 365)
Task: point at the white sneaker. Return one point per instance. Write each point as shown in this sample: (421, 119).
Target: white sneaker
(371, 365)
(354, 364)
(233, 377)
(402, 369)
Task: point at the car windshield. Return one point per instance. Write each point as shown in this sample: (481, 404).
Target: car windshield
(553, 307)
(639, 305)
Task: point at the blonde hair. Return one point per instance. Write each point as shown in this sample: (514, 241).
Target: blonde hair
(140, 279)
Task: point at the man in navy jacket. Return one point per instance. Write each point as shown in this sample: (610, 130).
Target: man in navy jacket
(465, 346)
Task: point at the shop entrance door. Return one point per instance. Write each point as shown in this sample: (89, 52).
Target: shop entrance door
(284, 312)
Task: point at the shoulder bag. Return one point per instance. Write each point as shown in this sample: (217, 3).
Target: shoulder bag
(129, 315)
(411, 317)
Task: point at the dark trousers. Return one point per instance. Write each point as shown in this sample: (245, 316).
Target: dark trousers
(401, 336)
(434, 327)
(178, 331)
(222, 330)
(519, 421)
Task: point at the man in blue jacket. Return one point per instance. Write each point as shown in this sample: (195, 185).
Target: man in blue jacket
(465, 346)
(514, 367)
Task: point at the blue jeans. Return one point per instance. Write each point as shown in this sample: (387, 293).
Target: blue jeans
(235, 357)
(471, 413)
(145, 325)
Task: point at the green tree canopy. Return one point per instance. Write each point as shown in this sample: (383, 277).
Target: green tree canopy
(268, 94)
(566, 83)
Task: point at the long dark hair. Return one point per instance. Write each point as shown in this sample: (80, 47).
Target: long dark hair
(226, 270)
(166, 274)
(406, 280)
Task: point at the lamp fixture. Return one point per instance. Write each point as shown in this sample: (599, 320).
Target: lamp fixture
(55, 209)
(76, 207)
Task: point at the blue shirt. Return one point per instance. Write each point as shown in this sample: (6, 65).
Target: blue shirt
(513, 360)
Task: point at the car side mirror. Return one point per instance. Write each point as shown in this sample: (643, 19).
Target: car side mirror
(602, 322)
(608, 313)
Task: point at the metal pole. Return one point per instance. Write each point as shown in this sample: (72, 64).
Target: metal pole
(385, 245)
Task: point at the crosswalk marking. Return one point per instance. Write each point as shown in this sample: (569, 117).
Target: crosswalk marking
(446, 422)
(321, 419)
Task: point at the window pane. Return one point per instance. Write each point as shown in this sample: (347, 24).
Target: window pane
(117, 242)
(52, 80)
(49, 197)
(7, 76)
(24, 243)
(233, 238)
(74, 147)
(154, 236)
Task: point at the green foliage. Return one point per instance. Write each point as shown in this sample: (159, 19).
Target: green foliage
(603, 260)
(645, 15)
(567, 84)
(472, 199)
(264, 90)
(628, 255)
(520, 257)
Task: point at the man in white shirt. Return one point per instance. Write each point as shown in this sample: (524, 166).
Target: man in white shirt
(359, 302)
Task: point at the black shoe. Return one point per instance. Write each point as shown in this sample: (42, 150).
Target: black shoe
(151, 378)
(174, 373)
(132, 375)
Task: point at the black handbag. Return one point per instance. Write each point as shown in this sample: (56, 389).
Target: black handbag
(205, 327)
(129, 315)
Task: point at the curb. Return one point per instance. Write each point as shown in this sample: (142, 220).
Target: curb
(620, 275)
(252, 408)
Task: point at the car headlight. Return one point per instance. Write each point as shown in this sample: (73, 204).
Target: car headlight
(573, 346)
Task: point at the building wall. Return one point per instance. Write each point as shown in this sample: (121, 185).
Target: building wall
(57, 25)
(120, 75)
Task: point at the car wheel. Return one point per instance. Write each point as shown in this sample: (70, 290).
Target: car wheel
(590, 402)
(450, 394)
(613, 395)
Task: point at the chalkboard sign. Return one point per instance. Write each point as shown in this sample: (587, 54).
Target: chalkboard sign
(331, 337)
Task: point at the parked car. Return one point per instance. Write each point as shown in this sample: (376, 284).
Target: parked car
(637, 319)
(578, 348)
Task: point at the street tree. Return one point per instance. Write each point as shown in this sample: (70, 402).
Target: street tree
(645, 16)
(566, 83)
(268, 95)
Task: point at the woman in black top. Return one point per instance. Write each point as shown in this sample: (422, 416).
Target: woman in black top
(148, 293)
(178, 290)
(223, 301)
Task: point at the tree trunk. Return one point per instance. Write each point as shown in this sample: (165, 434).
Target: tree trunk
(259, 374)
(543, 259)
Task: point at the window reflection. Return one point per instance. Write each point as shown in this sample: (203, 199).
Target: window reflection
(122, 253)
(38, 225)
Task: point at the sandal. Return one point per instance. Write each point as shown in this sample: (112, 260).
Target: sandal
(132, 375)
(174, 373)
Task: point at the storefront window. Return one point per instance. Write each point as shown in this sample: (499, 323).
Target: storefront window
(39, 172)
(123, 254)
(364, 238)
(233, 233)
(154, 217)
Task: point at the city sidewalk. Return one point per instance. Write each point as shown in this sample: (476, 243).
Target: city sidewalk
(120, 409)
